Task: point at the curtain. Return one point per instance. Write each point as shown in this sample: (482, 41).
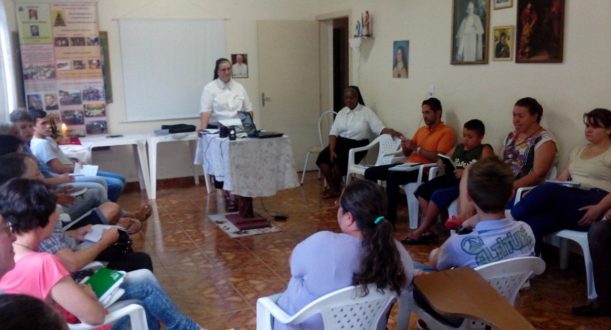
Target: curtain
(8, 93)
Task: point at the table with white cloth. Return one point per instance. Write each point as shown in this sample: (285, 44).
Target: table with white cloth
(248, 167)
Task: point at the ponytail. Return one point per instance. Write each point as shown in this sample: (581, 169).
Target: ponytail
(381, 263)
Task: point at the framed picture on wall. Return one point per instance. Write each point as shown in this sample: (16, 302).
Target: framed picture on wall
(540, 31)
(502, 4)
(503, 43)
(470, 30)
(400, 59)
(239, 69)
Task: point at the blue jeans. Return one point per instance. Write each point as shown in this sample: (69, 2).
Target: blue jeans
(115, 182)
(551, 207)
(143, 286)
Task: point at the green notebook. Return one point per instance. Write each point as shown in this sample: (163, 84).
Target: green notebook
(105, 282)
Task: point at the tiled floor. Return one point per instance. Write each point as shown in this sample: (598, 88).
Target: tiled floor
(216, 280)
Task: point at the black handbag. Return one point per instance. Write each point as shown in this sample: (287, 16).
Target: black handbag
(120, 248)
(179, 128)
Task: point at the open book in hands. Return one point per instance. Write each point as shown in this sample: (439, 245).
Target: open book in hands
(86, 170)
(450, 167)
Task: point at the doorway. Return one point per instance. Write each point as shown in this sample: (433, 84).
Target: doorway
(340, 61)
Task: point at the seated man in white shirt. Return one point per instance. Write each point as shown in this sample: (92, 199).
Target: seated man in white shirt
(47, 150)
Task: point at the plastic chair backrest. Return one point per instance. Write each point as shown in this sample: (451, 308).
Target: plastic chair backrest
(387, 149)
(508, 276)
(345, 308)
(325, 121)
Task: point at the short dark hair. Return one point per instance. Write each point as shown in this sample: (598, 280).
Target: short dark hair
(476, 125)
(533, 106)
(490, 184)
(26, 204)
(217, 64)
(37, 114)
(12, 166)
(21, 115)
(18, 311)
(433, 103)
(9, 144)
(599, 117)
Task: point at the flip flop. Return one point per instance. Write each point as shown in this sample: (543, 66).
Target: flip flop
(453, 223)
(142, 214)
(426, 238)
(131, 225)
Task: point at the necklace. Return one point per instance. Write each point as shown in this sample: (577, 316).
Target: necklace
(25, 246)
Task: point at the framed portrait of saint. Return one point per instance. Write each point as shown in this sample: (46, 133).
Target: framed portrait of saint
(239, 68)
(540, 31)
(502, 49)
(400, 59)
(470, 30)
(502, 4)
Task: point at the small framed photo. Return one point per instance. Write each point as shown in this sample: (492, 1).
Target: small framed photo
(470, 31)
(502, 4)
(503, 43)
(239, 68)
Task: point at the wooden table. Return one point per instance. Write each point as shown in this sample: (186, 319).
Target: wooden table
(462, 292)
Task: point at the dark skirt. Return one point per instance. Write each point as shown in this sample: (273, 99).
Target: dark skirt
(342, 147)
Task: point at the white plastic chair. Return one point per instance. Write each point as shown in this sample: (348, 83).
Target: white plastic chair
(136, 313)
(342, 309)
(387, 150)
(413, 206)
(506, 276)
(325, 121)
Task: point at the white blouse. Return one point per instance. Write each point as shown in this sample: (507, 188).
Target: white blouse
(224, 100)
(356, 124)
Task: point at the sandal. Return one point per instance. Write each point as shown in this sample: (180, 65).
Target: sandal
(130, 225)
(426, 238)
(453, 223)
(142, 214)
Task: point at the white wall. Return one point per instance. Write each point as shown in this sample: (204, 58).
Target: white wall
(488, 92)
(175, 159)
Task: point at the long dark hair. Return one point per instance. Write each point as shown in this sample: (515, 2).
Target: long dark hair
(357, 92)
(381, 263)
(599, 117)
(403, 56)
(218, 63)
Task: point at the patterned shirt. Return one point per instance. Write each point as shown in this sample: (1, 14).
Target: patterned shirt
(520, 155)
(57, 241)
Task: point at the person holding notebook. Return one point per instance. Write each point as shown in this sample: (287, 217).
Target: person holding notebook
(221, 99)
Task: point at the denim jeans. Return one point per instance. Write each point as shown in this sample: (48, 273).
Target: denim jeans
(143, 286)
(115, 182)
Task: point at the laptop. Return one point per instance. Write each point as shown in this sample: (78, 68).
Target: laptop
(251, 130)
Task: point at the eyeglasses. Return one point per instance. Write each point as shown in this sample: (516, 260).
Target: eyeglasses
(6, 227)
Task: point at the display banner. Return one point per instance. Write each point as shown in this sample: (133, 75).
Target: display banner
(62, 72)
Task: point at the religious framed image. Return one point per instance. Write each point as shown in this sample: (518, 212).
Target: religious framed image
(503, 43)
(470, 30)
(540, 31)
(400, 59)
(502, 4)
(239, 68)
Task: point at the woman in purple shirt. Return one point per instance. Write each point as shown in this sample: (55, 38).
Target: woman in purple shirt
(364, 252)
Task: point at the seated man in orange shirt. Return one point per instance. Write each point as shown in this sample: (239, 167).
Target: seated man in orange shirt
(433, 138)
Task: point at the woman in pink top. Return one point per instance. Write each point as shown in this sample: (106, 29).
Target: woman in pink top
(30, 208)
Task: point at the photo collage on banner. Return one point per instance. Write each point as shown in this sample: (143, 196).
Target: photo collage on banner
(62, 71)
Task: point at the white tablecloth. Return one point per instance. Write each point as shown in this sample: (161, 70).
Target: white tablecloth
(249, 167)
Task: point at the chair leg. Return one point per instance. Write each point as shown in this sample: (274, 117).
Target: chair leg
(305, 165)
(587, 259)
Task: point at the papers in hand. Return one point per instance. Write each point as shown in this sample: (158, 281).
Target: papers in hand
(105, 284)
(94, 236)
(570, 184)
(86, 170)
(450, 167)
